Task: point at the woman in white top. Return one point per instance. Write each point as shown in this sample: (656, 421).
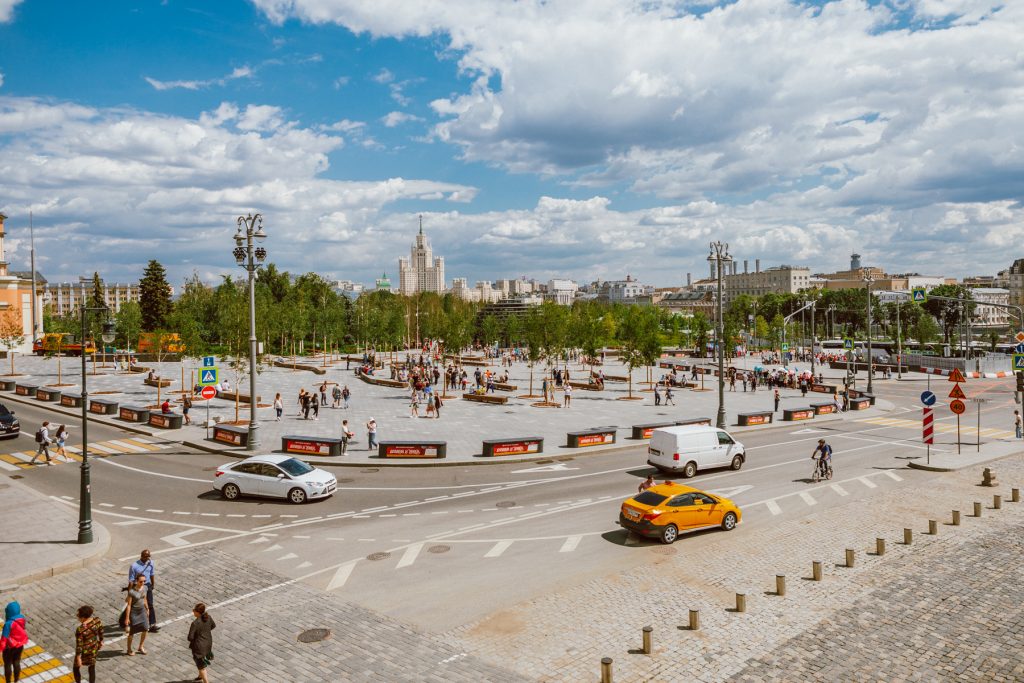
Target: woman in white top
(62, 437)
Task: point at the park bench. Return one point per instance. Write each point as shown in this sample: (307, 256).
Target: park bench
(311, 445)
(165, 420)
(797, 414)
(585, 386)
(50, 395)
(156, 382)
(383, 381)
(503, 386)
(133, 414)
(315, 369)
(412, 449)
(102, 406)
(486, 398)
(758, 418)
(523, 445)
(234, 395)
(598, 436)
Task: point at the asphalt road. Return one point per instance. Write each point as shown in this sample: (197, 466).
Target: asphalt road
(442, 546)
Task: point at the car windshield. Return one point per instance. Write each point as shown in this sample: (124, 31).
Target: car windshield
(295, 467)
(3, 410)
(649, 498)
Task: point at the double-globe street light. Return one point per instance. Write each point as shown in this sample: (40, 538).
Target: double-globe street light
(85, 485)
(250, 257)
(719, 256)
(868, 279)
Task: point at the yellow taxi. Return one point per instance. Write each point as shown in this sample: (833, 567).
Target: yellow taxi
(664, 510)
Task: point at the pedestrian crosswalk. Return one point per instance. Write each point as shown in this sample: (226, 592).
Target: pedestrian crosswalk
(941, 427)
(15, 460)
(39, 666)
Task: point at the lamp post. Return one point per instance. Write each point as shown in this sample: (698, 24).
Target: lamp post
(85, 485)
(250, 257)
(720, 255)
(867, 281)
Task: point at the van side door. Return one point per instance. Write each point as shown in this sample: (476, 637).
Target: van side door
(724, 449)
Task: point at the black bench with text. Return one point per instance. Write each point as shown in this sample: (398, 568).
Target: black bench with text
(102, 406)
(825, 388)
(46, 394)
(71, 400)
(311, 445)
(165, 420)
(797, 414)
(231, 434)
(412, 449)
(862, 403)
(598, 436)
(7, 384)
(824, 408)
(861, 394)
(523, 445)
(134, 414)
(25, 389)
(759, 418)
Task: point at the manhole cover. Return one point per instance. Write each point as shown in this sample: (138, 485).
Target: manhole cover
(314, 635)
(665, 551)
(376, 557)
(505, 504)
(370, 470)
(346, 481)
(438, 549)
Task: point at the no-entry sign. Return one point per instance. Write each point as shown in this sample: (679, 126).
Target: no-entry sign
(208, 392)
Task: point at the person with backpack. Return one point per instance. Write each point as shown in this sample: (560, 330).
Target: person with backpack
(43, 443)
(186, 405)
(336, 395)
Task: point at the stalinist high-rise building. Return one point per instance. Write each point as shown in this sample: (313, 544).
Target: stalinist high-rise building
(420, 272)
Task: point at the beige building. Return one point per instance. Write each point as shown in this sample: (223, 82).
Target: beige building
(687, 303)
(1013, 280)
(65, 298)
(16, 301)
(421, 272)
(986, 315)
(776, 280)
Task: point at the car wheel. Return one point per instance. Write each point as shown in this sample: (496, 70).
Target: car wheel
(230, 491)
(729, 521)
(669, 534)
(690, 470)
(737, 462)
(297, 496)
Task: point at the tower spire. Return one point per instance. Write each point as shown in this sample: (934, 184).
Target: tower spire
(421, 223)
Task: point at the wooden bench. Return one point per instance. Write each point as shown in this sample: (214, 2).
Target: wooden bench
(315, 369)
(486, 398)
(585, 386)
(611, 378)
(383, 381)
(157, 382)
(138, 369)
(234, 395)
(502, 386)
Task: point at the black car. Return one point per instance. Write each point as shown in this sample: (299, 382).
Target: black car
(9, 425)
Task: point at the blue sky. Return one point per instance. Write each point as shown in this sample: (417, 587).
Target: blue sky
(537, 138)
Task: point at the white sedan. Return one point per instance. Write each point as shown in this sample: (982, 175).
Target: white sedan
(274, 476)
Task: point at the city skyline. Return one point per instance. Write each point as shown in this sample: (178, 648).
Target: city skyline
(872, 128)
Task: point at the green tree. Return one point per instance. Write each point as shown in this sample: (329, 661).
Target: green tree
(490, 329)
(638, 337)
(925, 329)
(97, 300)
(154, 297)
(12, 335)
(129, 323)
(700, 328)
(951, 313)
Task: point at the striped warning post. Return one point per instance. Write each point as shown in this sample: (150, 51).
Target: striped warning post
(927, 426)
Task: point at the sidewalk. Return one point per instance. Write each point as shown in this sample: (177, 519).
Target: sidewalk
(39, 536)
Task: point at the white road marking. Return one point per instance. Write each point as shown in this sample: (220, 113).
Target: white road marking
(288, 516)
(892, 475)
(394, 515)
(261, 539)
(209, 514)
(559, 467)
(409, 556)
(809, 431)
(867, 482)
(131, 448)
(341, 575)
(106, 505)
(234, 515)
(4, 465)
(411, 514)
(130, 522)
(839, 489)
(499, 548)
(155, 474)
(128, 507)
(273, 548)
(773, 507)
(303, 537)
(178, 539)
(181, 512)
(153, 510)
(808, 498)
(289, 556)
(304, 565)
(570, 544)
(731, 492)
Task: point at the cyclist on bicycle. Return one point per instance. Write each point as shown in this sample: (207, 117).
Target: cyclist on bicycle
(823, 454)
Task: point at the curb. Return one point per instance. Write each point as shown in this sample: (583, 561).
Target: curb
(127, 426)
(914, 465)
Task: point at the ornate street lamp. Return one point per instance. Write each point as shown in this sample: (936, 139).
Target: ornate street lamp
(867, 281)
(251, 257)
(85, 484)
(719, 256)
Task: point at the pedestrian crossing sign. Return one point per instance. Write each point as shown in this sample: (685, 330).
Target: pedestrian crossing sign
(207, 377)
(848, 343)
(1018, 361)
(918, 295)
(785, 348)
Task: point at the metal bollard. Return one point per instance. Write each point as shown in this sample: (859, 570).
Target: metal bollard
(695, 620)
(849, 557)
(1015, 495)
(977, 509)
(647, 639)
(741, 602)
(816, 570)
(879, 546)
(780, 585)
(933, 527)
(997, 502)
(908, 536)
(606, 670)
(956, 518)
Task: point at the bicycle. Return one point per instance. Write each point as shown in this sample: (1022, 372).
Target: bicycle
(822, 470)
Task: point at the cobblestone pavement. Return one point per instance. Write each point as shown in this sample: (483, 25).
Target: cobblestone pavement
(259, 617)
(946, 607)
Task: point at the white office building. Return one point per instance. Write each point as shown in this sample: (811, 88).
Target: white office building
(421, 272)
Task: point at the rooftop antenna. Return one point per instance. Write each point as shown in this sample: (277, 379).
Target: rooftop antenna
(421, 223)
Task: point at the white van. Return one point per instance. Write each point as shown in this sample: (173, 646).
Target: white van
(690, 448)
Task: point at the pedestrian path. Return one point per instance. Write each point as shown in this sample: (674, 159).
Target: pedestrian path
(38, 665)
(941, 427)
(137, 444)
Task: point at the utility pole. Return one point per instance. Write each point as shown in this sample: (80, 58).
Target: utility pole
(867, 281)
(32, 253)
(720, 256)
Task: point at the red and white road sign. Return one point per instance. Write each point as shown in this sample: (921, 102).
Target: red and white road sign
(927, 428)
(208, 392)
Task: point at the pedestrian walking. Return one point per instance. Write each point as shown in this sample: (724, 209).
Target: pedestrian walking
(744, 383)
(1018, 426)
(200, 640)
(371, 434)
(315, 405)
(323, 393)
(144, 567)
(346, 436)
(186, 405)
(732, 382)
(62, 437)
(657, 395)
(776, 400)
(668, 395)
(336, 395)
(345, 393)
(13, 641)
(278, 406)
(566, 395)
(138, 614)
(88, 642)
(544, 388)
(414, 404)
(42, 443)
(437, 406)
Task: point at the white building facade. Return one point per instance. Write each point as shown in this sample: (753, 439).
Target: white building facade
(986, 315)
(421, 272)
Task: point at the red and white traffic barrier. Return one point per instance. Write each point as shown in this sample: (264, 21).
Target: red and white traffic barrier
(927, 428)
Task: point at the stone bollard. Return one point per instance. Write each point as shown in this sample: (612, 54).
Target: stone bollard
(933, 527)
(780, 585)
(956, 518)
(1014, 495)
(647, 639)
(741, 602)
(879, 546)
(850, 554)
(816, 570)
(988, 477)
(695, 620)
(977, 509)
(908, 536)
(606, 670)
(997, 502)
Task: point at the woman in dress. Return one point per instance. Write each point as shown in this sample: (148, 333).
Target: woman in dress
(200, 640)
(138, 613)
(62, 438)
(88, 641)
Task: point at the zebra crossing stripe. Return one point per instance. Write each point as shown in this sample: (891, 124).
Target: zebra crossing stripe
(498, 548)
(840, 490)
(125, 446)
(100, 448)
(39, 666)
(892, 475)
(773, 507)
(136, 442)
(8, 465)
(570, 544)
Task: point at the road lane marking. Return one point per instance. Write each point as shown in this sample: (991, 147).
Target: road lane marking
(808, 498)
(867, 482)
(178, 539)
(155, 474)
(154, 510)
(773, 507)
(289, 556)
(409, 556)
(499, 548)
(272, 548)
(892, 475)
(304, 565)
(130, 522)
(261, 539)
(839, 489)
(341, 575)
(570, 544)
(5, 465)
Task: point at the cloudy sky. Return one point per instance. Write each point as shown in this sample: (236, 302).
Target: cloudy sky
(579, 138)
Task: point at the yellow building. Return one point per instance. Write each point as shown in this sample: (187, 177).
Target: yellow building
(16, 300)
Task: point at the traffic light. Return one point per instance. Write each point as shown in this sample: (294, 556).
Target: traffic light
(1020, 380)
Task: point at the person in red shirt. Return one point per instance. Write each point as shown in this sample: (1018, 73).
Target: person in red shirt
(13, 641)
(165, 407)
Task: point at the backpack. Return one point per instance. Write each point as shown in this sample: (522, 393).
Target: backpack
(39, 436)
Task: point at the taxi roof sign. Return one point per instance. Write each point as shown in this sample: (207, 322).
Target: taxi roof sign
(956, 376)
